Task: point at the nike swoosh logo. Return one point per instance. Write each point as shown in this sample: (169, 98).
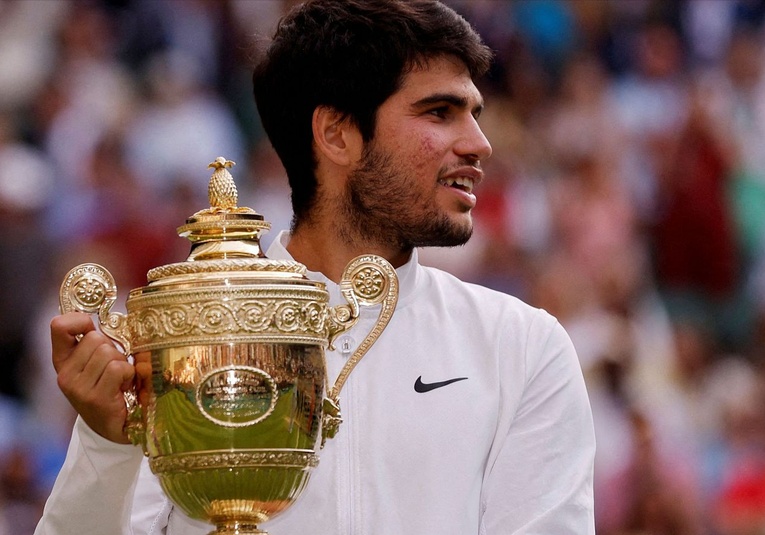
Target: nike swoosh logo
(421, 387)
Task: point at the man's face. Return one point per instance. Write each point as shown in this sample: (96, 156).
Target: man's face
(413, 186)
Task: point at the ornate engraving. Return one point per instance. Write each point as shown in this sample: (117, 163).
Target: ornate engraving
(263, 265)
(256, 315)
(146, 325)
(173, 322)
(86, 287)
(216, 318)
(206, 460)
(91, 289)
(177, 320)
(368, 282)
(287, 317)
(236, 396)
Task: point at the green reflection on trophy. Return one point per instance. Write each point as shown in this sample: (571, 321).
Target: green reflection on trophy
(232, 395)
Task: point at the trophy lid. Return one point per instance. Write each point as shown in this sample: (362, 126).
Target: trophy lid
(226, 237)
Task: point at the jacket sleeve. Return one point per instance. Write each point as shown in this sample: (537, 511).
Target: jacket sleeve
(93, 492)
(539, 477)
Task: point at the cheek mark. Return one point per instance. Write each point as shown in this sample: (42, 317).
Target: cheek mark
(427, 144)
(428, 155)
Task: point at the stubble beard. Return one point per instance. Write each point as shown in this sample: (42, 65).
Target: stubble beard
(380, 207)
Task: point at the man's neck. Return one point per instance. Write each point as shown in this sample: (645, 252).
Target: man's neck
(322, 250)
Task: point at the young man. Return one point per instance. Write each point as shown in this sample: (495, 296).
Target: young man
(372, 107)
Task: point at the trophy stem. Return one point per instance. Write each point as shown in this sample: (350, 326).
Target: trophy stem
(234, 527)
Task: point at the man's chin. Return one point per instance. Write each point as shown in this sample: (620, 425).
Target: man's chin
(451, 236)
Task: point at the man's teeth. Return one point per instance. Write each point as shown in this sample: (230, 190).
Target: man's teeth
(464, 182)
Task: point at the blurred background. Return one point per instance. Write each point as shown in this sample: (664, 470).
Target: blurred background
(626, 195)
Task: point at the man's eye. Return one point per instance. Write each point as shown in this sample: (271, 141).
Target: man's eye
(440, 112)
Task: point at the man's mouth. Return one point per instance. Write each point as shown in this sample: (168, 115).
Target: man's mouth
(460, 182)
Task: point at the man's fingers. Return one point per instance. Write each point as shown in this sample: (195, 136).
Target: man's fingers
(103, 354)
(64, 331)
(89, 363)
(92, 373)
(73, 360)
(116, 375)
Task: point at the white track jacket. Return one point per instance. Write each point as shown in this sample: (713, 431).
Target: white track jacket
(508, 450)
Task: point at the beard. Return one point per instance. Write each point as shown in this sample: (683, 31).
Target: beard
(382, 206)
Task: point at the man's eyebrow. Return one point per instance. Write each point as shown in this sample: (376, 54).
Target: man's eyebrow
(447, 98)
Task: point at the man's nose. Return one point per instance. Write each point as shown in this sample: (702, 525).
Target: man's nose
(473, 143)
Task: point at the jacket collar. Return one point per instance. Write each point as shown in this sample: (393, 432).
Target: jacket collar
(407, 274)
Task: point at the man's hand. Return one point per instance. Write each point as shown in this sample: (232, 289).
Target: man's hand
(92, 374)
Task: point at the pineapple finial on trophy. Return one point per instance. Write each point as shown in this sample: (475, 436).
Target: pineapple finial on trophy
(222, 190)
(224, 230)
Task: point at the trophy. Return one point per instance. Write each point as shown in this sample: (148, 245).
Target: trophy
(232, 396)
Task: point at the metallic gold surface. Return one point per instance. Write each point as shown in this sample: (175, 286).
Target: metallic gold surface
(241, 310)
(231, 394)
(222, 190)
(91, 289)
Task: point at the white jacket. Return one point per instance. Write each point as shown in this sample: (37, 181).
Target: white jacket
(509, 450)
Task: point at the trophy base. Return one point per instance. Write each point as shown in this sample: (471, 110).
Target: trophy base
(237, 528)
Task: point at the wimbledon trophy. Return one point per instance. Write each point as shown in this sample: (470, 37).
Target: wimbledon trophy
(232, 394)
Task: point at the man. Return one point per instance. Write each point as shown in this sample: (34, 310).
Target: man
(372, 108)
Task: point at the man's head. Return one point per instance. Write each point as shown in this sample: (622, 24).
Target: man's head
(350, 56)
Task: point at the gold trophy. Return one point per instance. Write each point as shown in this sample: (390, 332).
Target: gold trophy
(232, 394)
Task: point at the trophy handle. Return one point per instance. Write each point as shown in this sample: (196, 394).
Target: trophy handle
(368, 280)
(91, 289)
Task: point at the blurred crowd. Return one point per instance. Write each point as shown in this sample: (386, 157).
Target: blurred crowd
(626, 195)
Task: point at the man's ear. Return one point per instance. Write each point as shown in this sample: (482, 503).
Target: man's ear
(335, 136)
